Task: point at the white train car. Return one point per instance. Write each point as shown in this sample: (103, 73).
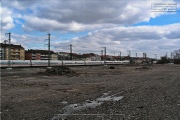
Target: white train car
(94, 62)
(44, 62)
(14, 62)
(117, 62)
(66, 63)
(125, 62)
(5, 63)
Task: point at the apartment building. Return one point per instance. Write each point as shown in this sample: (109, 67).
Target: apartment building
(54, 57)
(2, 55)
(12, 52)
(32, 54)
(63, 56)
(91, 57)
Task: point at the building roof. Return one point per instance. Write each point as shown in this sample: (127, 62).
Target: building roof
(11, 45)
(74, 54)
(88, 54)
(63, 52)
(39, 51)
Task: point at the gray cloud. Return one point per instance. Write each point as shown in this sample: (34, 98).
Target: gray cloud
(20, 4)
(173, 35)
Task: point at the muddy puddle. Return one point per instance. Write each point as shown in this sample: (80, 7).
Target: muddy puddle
(71, 108)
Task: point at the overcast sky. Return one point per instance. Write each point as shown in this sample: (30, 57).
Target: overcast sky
(118, 25)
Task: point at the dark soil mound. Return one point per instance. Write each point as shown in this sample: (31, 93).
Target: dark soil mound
(58, 71)
(143, 68)
(111, 67)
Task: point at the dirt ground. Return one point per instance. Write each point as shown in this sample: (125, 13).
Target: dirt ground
(149, 93)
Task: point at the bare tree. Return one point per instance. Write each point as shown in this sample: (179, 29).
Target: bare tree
(176, 54)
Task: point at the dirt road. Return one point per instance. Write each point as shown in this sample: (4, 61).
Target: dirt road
(151, 93)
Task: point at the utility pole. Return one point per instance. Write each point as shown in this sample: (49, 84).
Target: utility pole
(172, 60)
(120, 56)
(114, 58)
(70, 51)
(104, 54)
(166, 55)
(136, 55)
(48, 49)
(129, 53)
(156, 56)
(144, 55)
(9, 50)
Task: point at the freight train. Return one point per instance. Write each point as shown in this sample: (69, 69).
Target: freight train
(5, 63)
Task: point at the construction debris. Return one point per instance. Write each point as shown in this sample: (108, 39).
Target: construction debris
(143, 68)
(58, 71)
(111, 67)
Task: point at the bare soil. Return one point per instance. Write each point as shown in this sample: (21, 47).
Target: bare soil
(150, 92)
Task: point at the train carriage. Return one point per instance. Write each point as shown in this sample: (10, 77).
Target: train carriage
(5, 63)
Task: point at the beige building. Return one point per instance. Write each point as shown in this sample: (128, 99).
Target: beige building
(32, 54)
(16, 52)
(54, 57)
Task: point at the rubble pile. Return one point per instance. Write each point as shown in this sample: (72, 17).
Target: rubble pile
(58, 71)
(143, 68)
(111, 67)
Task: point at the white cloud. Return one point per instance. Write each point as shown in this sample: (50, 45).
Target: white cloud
(82, 15)
(105, 19)
(6, 20)
(138, 39)
(35, 23)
